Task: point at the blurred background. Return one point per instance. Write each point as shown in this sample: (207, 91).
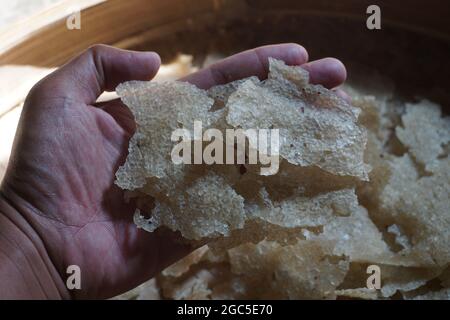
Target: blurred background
(13, 11)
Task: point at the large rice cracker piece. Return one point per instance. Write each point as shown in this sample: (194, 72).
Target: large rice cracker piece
(317, 128)
(420, 206)
(159, 109)
(306, 270)
(425, 133)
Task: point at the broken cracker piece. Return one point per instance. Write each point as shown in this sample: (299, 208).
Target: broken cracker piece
(319, 130)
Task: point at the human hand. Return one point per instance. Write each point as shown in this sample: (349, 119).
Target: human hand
(58, 202)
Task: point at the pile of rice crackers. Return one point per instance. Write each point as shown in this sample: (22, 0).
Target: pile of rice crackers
(359, 184)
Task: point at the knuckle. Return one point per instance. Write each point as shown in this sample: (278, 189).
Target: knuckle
(37, 88)
(96, 49)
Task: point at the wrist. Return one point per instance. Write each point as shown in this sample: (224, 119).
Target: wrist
(26, 270)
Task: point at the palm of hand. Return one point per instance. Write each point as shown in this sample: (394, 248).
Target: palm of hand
(78, 205)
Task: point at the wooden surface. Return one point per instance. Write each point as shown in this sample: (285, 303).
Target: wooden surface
(105, 22)
(45, 41)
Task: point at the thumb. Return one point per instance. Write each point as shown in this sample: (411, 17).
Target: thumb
(99, 68)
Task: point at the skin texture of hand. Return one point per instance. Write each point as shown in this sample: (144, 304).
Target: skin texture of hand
(58, 202)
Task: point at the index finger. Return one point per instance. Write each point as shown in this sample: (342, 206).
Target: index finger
(254, 62)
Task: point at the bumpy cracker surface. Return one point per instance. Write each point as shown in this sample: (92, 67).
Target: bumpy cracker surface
(311, 230)
(319, 131)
